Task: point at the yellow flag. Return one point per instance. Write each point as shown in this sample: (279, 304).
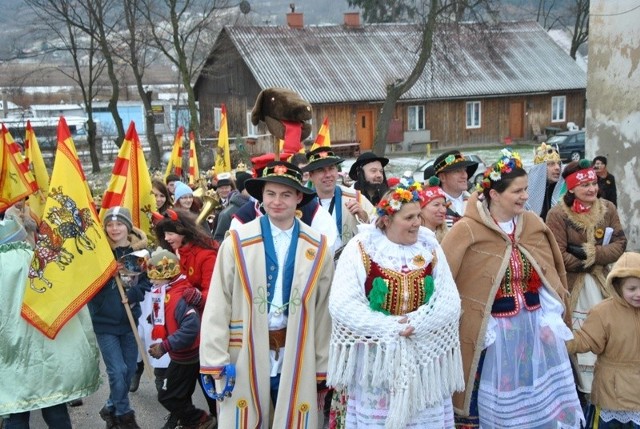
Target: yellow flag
(16, 180)
(223, 158)
(130, 184)
(194, 170)
(72, 259)
(33, 156)
(175, 162)
(324, 136)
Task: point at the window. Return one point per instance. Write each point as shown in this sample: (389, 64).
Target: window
(473, 114)
(415, 118)
(217, 118)
(558, 109)
(252, 130)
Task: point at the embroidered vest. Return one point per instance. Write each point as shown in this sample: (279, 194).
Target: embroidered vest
(520, 280)
(406, 291)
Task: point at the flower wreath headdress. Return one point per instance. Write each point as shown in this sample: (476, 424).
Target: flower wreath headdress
(507, 162)
(407, 191)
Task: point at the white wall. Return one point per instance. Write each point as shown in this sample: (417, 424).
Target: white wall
(613, 102)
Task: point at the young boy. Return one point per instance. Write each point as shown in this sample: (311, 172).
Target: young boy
(177, 326)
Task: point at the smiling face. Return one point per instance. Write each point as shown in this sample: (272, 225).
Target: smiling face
(587, 193)
(117, 232)
(509, 203)
(403, 226)
(185, 202)
(373, 172)
(224, 191)
(324, 180)
(433, 214)
(280, 203)
(160, 198)
(454, 182)
(630, 291)
(174, 239)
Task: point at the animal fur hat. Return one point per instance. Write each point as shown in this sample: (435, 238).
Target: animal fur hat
(284, 112)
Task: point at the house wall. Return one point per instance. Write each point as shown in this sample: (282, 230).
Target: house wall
(613, 111)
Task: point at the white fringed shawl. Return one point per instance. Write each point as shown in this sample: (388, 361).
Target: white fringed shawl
(419, 371)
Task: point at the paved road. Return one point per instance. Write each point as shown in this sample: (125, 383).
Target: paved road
(149, 413)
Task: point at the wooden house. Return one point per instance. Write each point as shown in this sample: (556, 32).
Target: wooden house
(479, 87)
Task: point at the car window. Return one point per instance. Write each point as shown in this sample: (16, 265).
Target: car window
(580, 138)
(557, 140)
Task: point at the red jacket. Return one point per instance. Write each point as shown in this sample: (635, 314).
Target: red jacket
(197, 264)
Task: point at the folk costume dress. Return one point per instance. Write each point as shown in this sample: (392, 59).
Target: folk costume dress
(511, 281)
(235, 328)
(587, 278)
(394, 381)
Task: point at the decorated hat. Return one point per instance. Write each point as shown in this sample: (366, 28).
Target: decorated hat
(283, 173)
(432, 190)
(546, 153)
(163, 265)
(453, 160)
(224, 179)
(506, 164)
(584, 174)
(407, 191)
(120, 214)
(321, 157)
(364, 159)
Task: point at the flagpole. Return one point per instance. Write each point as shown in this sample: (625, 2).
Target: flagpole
(134, 327)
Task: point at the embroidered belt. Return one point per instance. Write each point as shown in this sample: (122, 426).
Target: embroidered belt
(277, 339)
(507, 306)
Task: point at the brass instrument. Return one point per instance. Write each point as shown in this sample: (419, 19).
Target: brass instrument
(211, 201)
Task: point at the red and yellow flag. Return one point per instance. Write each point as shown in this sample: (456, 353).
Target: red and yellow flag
(223, 158)
(130, 184)
(324, 136)
(16, 180)
(175, 162)
(34, 159)
(72, 259)
(194, 171)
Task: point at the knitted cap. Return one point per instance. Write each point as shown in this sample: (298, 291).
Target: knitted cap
(181, 190)
(163, 265)
(120, 214)
(627, 266)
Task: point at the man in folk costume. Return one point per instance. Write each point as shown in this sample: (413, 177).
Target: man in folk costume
(270, 298)
(454, 170)
(347, 206)
(369, 176)
(546, 185)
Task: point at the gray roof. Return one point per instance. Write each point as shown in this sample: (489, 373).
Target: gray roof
(335, 64)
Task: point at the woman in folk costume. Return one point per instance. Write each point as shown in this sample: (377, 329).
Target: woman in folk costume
(395, 311)
(434, 208)
(590, 237)
(512, 284)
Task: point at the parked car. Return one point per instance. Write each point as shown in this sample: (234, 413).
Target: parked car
(570, 145)
(418, 175)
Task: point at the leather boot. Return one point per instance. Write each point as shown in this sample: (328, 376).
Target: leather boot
(128, 421)
(109, 417)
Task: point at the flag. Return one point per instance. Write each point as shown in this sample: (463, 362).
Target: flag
(175, 162)
(16, 180)
(223, 159)
(324, 136)
(130, 184)
(72, 259)
(34, 159)
(194, 171)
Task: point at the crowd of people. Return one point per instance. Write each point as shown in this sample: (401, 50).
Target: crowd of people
(319, 305)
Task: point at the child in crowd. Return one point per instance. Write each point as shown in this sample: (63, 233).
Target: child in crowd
(111, 324)
(176, 320)
(611, 332)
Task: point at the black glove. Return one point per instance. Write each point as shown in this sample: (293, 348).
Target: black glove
(577, 251)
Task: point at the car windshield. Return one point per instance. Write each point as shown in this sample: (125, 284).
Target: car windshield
(557, 139)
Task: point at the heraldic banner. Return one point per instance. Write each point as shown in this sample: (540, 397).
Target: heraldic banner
(72, 259)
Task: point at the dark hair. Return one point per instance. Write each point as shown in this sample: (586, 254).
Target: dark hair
(617, 283)
(602, 159)
(172, 178)
(298, 158)
(569, 169)
(505, 180)
(157, 184)
(183, 222)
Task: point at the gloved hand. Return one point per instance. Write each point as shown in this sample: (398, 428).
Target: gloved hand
(577, 251)
(156, 350)
(193, 297)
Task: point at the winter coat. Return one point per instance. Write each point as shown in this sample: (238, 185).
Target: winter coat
(236, 201)
(197, 264)
(611, 331)
(478, 253)
(183, 324)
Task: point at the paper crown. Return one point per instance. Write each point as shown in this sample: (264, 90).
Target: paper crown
(546, 153)
(163, 265)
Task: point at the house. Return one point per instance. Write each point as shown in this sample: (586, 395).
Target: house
(478, 88)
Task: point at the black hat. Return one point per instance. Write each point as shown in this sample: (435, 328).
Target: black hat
(452, 160)
(224, 182)
(283, 173)
(241, 179)
(321, 157)
(364, 159)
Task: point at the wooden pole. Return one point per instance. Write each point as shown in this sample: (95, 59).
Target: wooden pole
(134, 328)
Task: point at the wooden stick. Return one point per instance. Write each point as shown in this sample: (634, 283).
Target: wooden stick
(134, 328)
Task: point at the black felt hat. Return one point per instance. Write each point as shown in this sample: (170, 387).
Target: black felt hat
(364, 159)
(321, 157)
(283, 173)
(453, 160)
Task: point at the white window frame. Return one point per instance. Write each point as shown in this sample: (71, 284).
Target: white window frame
(559, 108)
(416, 118)
(217, 118)
(252, 130)
(475, 119)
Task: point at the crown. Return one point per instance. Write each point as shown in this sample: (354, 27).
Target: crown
(163, 268)
(407, 191)
(508, 161)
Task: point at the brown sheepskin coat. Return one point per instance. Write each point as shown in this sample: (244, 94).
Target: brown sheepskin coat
(478, 253)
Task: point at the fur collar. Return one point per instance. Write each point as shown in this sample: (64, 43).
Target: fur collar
(586, 222)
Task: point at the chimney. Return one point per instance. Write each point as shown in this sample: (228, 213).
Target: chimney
(352, 19)
(295, 19)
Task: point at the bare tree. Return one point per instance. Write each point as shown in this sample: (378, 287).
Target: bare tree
(580, 33)
(429, 16)
(73, 29)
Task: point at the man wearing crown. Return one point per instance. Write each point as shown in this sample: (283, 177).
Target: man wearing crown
(348, 207)
(267, 312)
(545, 184)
